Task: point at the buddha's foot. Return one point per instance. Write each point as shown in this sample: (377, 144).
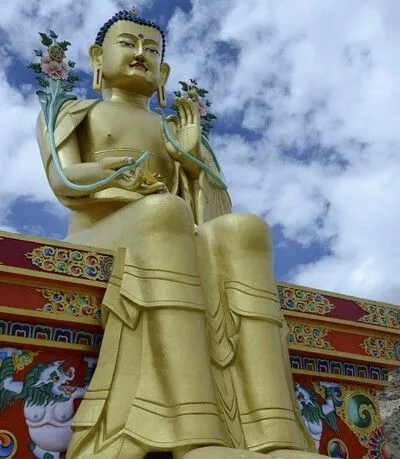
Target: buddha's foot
(219, 452)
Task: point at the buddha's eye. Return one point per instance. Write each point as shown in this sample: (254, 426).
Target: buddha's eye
(126, 44)
(153, 51)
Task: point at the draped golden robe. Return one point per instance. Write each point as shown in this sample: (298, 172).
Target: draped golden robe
(194, 351)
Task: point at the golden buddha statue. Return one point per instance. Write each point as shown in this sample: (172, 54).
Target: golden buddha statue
(194, 357)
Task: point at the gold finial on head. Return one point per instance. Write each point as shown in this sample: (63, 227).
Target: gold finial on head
(133, 12)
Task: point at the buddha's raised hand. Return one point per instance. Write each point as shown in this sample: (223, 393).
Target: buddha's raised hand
(187, 128)
(187, 133)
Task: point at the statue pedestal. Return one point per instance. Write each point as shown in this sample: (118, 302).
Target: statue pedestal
(341, 350)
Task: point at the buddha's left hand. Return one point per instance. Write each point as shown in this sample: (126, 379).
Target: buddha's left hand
(187, 129)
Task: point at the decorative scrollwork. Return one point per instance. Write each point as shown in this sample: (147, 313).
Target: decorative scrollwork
(303, 301)
(76, 263)
(308, 336)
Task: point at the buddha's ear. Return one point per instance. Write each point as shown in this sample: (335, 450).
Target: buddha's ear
(164, 72)
(96, 55)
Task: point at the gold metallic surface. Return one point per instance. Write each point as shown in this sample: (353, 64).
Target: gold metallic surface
(194, 351)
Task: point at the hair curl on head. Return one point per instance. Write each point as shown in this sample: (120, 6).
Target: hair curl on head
(128, 16)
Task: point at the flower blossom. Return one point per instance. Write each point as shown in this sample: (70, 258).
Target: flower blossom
(201, 105)
(56, 53)
(54, 69)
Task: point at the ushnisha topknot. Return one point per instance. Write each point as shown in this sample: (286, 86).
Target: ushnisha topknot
(125, 15)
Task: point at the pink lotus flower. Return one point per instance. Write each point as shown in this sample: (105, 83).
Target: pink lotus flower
(201, 105)
(54, 69)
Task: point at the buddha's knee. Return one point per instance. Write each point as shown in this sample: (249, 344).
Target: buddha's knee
(240, 232)
(162, 212)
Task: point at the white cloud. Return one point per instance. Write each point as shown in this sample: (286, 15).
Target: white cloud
(318, 83)
(315, 84)
(76, 21)
(22, 173)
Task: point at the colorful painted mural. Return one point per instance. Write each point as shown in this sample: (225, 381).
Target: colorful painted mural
(38, 399)
(343, 419)
(341, 351)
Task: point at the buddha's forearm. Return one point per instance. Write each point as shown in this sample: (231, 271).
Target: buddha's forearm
(81, 174)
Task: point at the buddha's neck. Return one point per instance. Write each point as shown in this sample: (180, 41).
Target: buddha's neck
(118, 95)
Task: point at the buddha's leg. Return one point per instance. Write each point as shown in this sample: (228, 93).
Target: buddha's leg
(236, 257)
(173, 403)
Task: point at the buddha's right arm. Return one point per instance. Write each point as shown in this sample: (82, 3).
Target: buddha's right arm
(81, 173)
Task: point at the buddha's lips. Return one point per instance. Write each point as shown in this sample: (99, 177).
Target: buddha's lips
(138, 64)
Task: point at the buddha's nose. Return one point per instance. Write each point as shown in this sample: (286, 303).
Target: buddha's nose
(139, 50)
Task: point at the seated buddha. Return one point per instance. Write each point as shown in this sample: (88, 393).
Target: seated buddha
(194, 358)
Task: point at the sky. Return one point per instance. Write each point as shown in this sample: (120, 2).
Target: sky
(307, 96)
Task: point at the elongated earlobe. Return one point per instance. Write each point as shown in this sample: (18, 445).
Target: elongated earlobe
(97, 79)
(162, 97)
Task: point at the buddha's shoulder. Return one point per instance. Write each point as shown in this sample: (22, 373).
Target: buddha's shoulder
(78, 105)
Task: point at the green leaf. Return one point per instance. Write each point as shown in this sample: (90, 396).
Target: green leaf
(53, 34)
(211, 116)
(38, 52)
(71, 63)
(202, 92)
(194, 81)
(72, 78)
(42, 81)
(177, 93)
(46, 40)
(184, 85)
(35, 67)
(68, 87)
(64, 45)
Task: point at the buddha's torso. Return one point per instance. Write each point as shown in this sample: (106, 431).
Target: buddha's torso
(113, 129)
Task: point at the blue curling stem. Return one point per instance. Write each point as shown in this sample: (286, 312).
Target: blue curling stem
(51, 119)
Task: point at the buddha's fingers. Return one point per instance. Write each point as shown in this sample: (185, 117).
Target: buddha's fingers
(182, 112)
(158, 187)
(115, 162)
(137, 178)
(188, 104)
(195, 113)
(173, 122)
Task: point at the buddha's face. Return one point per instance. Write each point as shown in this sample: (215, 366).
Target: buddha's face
(130, 58)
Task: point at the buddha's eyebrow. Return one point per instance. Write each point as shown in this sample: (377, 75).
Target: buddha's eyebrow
(147, 41)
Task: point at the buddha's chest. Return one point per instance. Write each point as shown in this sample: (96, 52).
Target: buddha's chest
(117, 130)
(113, 127)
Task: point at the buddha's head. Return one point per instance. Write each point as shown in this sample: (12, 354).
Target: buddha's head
(129, 55)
